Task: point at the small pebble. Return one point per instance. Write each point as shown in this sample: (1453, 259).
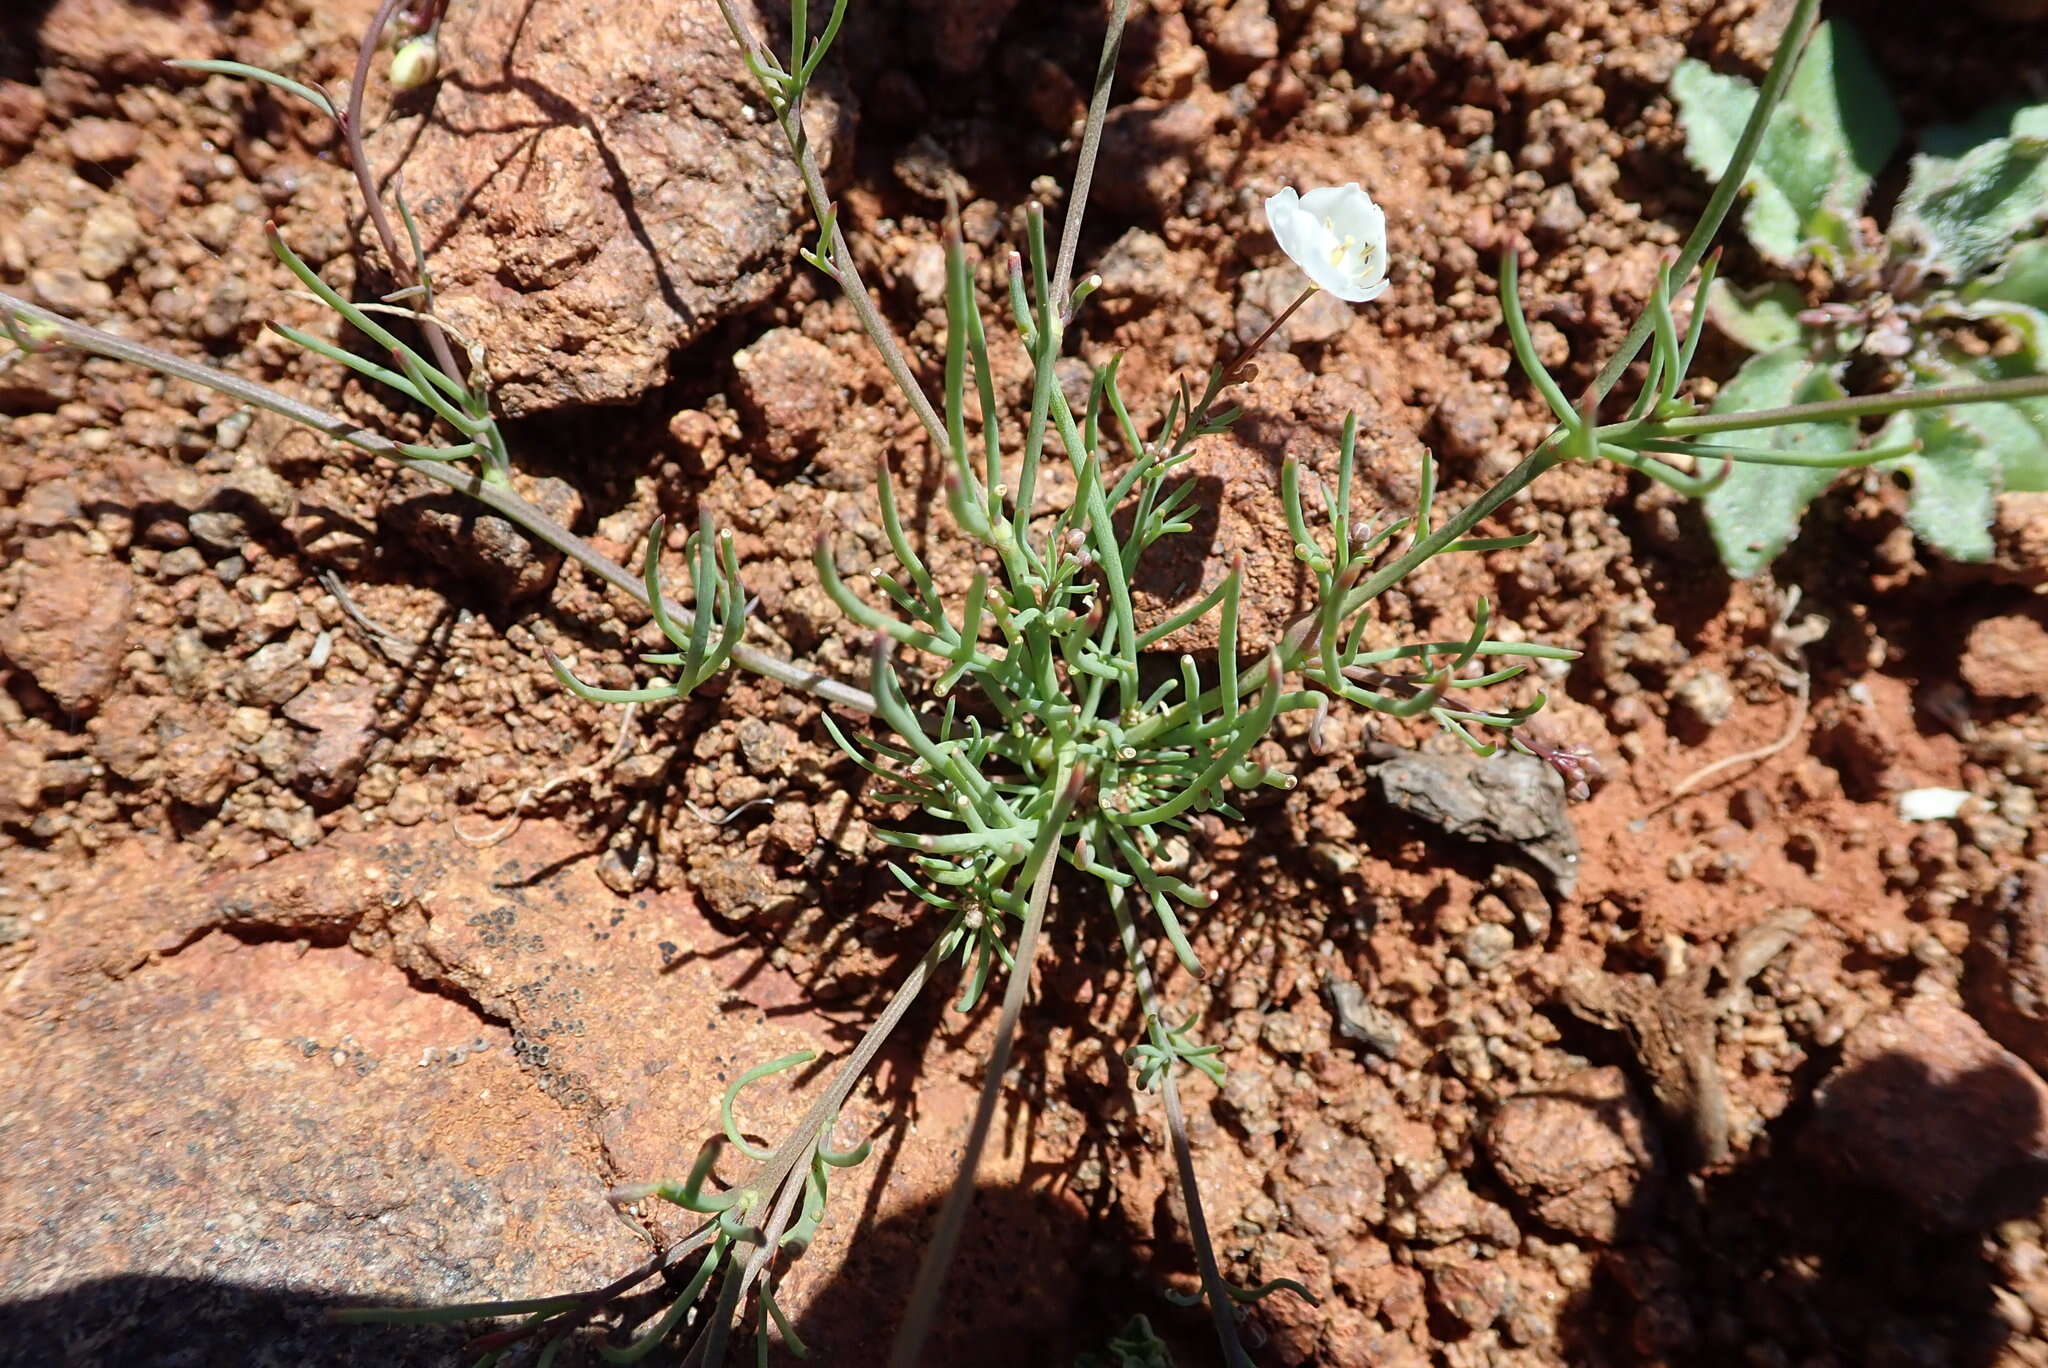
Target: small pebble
(1931, 804)
(1485, 945)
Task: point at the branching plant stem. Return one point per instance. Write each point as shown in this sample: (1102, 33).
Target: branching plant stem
(1857, 406)
(783, 1171)
(1214, 1287)
(1219, 1300)
(1091, 147)
(46, 327)
(938, 1256)
(845, 272)
(1784, 61)
(403, 267)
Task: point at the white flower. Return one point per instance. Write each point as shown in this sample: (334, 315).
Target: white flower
(1337, 235)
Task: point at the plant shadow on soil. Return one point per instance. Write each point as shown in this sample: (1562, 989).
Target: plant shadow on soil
(1065, 1290)
(1779, 1259)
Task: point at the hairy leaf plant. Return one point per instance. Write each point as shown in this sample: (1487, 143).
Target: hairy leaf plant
(1954, 293)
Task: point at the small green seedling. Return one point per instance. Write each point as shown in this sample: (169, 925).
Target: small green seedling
(1137, 1345)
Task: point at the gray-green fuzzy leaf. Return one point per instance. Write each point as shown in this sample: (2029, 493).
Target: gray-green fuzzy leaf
(1825, 143)
(1763, 319)
(1955, 480)
(1755, 512)
(2023, 279)
(1962, 212)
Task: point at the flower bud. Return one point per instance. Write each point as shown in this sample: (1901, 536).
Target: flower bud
(417, 61)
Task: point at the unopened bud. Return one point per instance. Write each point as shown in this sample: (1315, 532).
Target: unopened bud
(417, 61)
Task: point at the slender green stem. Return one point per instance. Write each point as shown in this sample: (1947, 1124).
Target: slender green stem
(408, 271)
(1839, 410)
(938, 1256)
(1453, 529)
(500, 499)
(1215, 1292)
(844, 270)
(1091, 145)
(1783, 62)
(1214, 1288)
(244, 71)
(1231, 372)
(784, 1172)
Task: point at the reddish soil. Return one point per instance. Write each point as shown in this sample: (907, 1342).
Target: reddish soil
(344, 957)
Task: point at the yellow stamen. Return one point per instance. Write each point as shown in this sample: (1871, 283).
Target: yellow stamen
(1347, 247)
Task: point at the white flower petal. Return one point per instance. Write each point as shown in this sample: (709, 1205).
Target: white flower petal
(1289, 224)
(1336, 235)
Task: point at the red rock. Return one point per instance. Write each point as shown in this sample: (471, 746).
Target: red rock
(2007, 658)
(272, 675)
(1152, 141)
(1449, 1210)
(21, 781)
(124, 736)
(789, 386)
(1472, 1292)
(282, 1119)
(1929, 1108)
(2019, 537)
(2007, 961)
(22, 110)
(1240, 36)
(619, 234)
(481, 546)
(179, 1057)
(127, 38)
(103, 142)
(343, 720)
(69, 628)
(961, 32)
(1395, 1291)
(1582, 1155)
(197, 765)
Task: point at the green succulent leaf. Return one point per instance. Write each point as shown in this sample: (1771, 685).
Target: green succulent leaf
(1834, 132)
(1981, 186)
(1763, 319)
(1755, 511)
